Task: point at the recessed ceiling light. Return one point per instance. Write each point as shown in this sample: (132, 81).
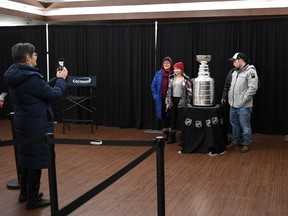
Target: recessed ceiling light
(54, 1)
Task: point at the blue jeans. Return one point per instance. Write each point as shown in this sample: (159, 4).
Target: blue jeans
(240, 118)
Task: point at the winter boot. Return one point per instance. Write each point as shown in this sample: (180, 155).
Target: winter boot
(23, 196)
(34, 200)
(171, 138)
(23, 190)
(180, 139)
(165, 134)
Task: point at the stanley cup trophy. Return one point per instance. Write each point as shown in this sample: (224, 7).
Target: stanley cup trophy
(203, 85)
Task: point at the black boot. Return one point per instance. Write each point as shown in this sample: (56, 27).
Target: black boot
(165, 134)
(23, 190)
(180, 139)
(171, 138)
(23, 196)
(34, 201)
(23, 185)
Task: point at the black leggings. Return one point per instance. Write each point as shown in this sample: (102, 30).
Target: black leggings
(165, 121)
(31, 176)
(176, 115)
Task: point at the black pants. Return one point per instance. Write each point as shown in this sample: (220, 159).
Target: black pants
(176, 115)
(31, 176)
(165, 121)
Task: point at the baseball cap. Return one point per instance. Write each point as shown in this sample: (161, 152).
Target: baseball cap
(238, 55)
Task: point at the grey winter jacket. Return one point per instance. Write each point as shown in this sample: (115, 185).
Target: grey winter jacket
(185, 99)
(244, 85)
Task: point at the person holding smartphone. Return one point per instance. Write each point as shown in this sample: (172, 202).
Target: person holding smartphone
(31, 96)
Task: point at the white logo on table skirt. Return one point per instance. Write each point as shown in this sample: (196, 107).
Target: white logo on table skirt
(208, 122)
(188, 122)
(198, 124)
(215, 120)
(222, 121)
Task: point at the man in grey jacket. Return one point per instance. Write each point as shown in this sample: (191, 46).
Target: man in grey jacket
(244, 84)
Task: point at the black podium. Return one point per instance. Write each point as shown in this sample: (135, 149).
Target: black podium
(204, 130)
(78, 102)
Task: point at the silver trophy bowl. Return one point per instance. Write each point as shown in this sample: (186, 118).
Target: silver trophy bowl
(203, 85)
(203, 58)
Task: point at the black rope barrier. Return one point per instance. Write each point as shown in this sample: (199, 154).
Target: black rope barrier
(31, 140)
(103, 185)
(6, 143)
(101, 142)
(15, 183)
(157, 145)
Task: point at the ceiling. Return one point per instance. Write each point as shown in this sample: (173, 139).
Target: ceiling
(31, 12)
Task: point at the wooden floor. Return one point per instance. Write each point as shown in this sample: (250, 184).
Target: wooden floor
(235, 184)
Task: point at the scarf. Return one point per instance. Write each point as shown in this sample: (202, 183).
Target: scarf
(165, 81)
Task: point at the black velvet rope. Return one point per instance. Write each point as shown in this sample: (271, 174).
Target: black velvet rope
(31, 140)
(103, 185)
(76, 141)
(102, 142)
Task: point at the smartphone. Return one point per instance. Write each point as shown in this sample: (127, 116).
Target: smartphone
(61, 63)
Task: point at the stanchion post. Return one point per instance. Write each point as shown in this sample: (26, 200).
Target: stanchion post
(15, 183)
(52, 175)
(159, 142)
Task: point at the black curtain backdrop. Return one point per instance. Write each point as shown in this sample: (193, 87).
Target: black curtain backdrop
(122, 57)
(265, 43)
(10, 36)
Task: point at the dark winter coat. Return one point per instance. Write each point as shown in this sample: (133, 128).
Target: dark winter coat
(33, 117)
(156, 88)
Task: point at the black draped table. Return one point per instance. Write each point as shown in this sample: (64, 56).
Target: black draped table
(204, 130)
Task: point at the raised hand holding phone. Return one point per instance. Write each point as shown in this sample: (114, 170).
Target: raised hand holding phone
(60, 64)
